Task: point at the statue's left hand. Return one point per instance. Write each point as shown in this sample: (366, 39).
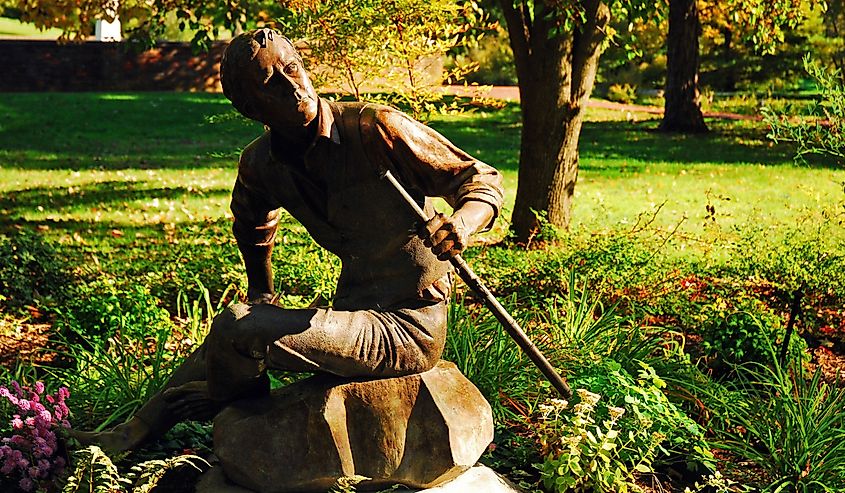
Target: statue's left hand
(446, 236)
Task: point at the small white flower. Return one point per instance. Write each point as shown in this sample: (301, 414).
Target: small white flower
(588, 397)
(615, 412)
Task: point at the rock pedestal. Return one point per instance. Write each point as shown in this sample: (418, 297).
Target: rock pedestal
(419, 431)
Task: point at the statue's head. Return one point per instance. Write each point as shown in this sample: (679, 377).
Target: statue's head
(263, 76)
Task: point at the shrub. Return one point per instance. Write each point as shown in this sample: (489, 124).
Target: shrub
(99, 310)
(30, 270)
(603, 446)
(745, 331)
(584, 454)
(494, 58)
(622, 93)
(647, 408)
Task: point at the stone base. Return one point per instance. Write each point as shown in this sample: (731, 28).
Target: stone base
(419, 431)
(479, 479)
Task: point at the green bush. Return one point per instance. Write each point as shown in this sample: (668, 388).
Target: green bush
(30, 270)
(616, 430)
(99, 310)
(745, 332)
(494, 58)
(622, 93)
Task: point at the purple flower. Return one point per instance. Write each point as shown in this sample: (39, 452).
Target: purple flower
(26, 484)
(28, 456)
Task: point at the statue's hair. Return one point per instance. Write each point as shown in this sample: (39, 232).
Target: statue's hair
(238, 58)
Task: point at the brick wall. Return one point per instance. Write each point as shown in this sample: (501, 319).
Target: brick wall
(30, 65)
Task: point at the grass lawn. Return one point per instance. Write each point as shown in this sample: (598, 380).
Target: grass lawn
(13, 28)
(139, 161)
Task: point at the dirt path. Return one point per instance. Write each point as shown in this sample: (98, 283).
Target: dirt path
(511, 93)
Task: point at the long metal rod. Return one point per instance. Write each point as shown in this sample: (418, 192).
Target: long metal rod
(511, 326)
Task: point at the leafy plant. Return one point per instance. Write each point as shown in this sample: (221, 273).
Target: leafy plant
(30, 270)
(790, 424)
(647, 409)
(745, 332)
(586, 455)
(100, 310)
(824, 132)
(717, 483)
(95, 472)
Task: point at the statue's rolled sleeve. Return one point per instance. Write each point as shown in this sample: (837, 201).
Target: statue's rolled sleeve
(425, 160)
(254, 227)
(255, 222)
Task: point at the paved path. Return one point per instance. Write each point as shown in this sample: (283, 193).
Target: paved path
(511, 93)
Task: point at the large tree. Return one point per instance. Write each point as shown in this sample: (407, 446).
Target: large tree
(556, 47)
(682, 108)
(760, 23)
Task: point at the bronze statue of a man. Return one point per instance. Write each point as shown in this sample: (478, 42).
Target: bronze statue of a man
(322, 162)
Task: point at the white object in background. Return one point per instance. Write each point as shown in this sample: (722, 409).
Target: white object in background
(107, 31)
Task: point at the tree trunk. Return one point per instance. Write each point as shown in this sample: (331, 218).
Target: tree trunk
(556, 75)
(682, 110)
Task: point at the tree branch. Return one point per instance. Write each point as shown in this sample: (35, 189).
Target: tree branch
(519, 37)
(586, 50)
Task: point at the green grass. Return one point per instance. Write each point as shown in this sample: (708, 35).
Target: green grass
(13, 28)
(139, 161)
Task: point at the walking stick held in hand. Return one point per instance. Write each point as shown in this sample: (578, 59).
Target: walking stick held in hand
(490, 301)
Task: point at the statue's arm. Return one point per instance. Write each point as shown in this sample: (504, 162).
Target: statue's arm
(426, 160)
(255, 231)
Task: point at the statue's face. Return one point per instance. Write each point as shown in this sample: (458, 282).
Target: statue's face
(282, 93)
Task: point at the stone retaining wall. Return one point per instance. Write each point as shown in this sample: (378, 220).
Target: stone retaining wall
(36, 65)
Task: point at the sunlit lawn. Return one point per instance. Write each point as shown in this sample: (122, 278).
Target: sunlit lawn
(102, 171)
(14, 28)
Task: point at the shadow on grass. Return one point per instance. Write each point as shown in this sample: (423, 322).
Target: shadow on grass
(171, 130)
(100, 194)
(726, 143)
(119, 131)
(605, 143)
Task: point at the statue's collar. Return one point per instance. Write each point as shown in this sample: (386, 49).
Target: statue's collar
(326, 129)
(326, 126)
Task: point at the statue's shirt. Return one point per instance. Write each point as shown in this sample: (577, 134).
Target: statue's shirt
(336, 192)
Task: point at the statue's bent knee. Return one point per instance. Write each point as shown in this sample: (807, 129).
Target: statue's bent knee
(224, 325)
